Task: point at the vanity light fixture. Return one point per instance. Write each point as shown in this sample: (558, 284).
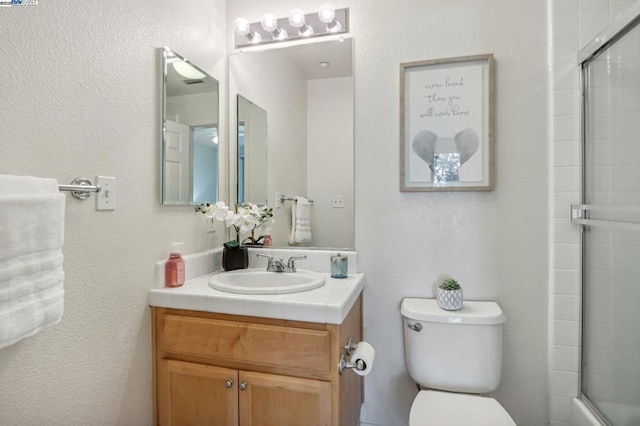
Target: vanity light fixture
(243, 28)
(297, 20)
(327, 14)
(270, 24)
(298, 25)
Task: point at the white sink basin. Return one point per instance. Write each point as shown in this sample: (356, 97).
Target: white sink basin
(259, 281)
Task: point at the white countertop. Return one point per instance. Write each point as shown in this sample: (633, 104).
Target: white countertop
(327, 304)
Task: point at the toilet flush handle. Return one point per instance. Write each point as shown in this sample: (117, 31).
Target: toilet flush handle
(415, 327)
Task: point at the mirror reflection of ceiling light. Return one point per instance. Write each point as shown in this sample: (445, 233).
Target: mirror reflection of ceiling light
(298, 25)
(324, 64)
(187, 71)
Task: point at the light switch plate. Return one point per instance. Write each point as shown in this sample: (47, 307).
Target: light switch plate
(106, 198)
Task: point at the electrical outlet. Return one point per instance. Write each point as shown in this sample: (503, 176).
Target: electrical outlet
(338, 202)
(211, 224)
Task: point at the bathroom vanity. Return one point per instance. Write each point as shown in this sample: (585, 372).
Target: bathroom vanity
(229, 359)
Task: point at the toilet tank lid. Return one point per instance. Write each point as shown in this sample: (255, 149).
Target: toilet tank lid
(472, 312)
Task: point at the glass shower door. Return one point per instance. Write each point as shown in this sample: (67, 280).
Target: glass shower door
(610, 216)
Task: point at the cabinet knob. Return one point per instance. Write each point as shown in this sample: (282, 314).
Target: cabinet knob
(228, 384)
(243, 386)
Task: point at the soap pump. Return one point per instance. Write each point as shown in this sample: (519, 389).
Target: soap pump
(174, 267)
(266, 240)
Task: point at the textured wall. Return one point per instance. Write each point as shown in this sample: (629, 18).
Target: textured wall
(79, 97)
(496, 242)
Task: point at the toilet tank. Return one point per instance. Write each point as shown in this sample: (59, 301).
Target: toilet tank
(456, 351)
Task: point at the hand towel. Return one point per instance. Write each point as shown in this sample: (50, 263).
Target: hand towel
(31, 262)
(300, 221)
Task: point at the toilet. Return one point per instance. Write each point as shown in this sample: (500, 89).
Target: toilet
(454, 356)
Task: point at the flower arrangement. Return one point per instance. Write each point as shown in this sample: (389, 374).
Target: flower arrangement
(246, 219)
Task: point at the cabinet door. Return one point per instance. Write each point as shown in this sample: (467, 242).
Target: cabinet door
(193, 394)
(269, 399)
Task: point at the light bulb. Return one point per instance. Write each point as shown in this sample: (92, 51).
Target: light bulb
(296, 18)
(326, 13)
(269, 22)
(242, 26)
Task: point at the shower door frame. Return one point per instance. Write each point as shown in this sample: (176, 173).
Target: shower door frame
(580, 213)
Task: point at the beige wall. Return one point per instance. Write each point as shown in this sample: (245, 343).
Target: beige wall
(79, 97)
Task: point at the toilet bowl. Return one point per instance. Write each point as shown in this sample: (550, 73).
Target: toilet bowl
(437, 408)
(454, 356)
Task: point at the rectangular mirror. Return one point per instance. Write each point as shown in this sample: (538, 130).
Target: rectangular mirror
(306, 94)
(190, 119)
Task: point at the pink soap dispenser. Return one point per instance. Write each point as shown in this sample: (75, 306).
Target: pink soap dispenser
(174, 267)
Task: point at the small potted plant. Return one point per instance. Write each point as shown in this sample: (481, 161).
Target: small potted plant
(449, 295)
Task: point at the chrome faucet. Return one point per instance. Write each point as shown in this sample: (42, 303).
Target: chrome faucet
(273, 265)
(278, 264)
(291, 267)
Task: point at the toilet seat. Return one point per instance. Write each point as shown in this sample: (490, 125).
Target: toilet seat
(435, 408)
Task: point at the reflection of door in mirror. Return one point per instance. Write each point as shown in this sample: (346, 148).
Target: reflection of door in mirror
(190, 133)
(176, 162)
(252, 152)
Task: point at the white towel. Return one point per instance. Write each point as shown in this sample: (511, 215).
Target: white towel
(300, 221)
(31, 274)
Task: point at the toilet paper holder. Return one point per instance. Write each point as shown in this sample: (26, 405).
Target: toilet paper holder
(350, 346)
(358, 365)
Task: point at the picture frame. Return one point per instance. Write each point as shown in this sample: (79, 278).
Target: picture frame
(446, 124)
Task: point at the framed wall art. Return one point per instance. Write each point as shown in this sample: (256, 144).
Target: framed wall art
(446, 124)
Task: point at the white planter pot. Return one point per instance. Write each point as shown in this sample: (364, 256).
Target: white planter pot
(449, 300)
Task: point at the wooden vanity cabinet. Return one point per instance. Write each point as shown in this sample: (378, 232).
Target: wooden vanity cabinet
(216, 369)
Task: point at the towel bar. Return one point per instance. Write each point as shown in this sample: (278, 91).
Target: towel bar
(284, 198)
(80, 188)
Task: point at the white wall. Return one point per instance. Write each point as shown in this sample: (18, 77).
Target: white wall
(80, 96)
(194, 110)
(496, 242)
(330, 159)
(271, 81)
